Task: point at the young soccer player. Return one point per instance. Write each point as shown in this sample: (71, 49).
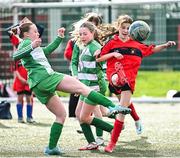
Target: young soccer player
(112, 30)
(44, 81)
(20, 84)
(85, 68)
(97, 21)
(124, 56)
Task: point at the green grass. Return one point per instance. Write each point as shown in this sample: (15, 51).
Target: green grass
(160, 138)
(156, 83)
(152, 83)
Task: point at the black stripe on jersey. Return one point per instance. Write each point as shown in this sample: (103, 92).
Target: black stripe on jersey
(127, 51)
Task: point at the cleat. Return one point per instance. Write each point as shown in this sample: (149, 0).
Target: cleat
(139, 127)
(119, 109)
(90, 146)
(100, 141)
(111, 115)
(110, 147)
(21, 120)
(30, 120)
(54, 151)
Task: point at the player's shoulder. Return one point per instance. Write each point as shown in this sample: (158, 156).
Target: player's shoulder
(24, 43)
(94, 43)
(93, 46)
(112, 39)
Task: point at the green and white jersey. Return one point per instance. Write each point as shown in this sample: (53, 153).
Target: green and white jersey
(35, 61)
(85, 67)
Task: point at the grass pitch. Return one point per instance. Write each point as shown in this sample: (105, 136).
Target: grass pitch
(160, 138)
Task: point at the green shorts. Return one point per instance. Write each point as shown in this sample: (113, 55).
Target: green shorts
(84, 99)
(47, 88)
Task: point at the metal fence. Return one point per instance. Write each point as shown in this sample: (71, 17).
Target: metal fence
(164, 19)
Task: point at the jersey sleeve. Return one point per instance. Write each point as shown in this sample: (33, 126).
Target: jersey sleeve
(14, 40)
(75, 60)
(52, 46)
(24, 48)
(94, 47)
(68, 50)
(147, 50)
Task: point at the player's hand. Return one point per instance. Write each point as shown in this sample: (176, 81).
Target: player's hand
(36, 43)
(117, 55)
(61, 32)
(97, 52)
(170, 44)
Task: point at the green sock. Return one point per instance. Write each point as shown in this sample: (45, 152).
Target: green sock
(102, 124)
(99, 132)
(100, 99)
(55, 133)
(87, 132)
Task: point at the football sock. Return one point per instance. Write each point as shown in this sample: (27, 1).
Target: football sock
(55, 133)
(116, 131)
(29, 111)
(102, 124)
(133, 112)
(19, 110)
(87, 132)
(99, 132)
(100, 99)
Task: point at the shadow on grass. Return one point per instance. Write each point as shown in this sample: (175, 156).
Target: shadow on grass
(39, 124)
(135, 148)
(3, 126)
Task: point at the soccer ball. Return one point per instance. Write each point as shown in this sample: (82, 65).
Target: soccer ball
(139, 30)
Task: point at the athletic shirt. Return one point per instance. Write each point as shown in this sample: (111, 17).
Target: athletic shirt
(132, 52)
(85, 67)
(35, 61)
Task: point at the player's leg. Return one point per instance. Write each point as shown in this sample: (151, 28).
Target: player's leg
(29, 109)
(75, 86)
(138, 123)
(118, 124)
(56, 107)
(78, 112)
(86, 128)
(99, 132)
(19, 107)
(87, 118)
(73, 101)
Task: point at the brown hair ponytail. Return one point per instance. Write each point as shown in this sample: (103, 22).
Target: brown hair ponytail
(24, 28)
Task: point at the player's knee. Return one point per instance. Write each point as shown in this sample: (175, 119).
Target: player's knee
(84, 119)
(61, 118)
(77, 114)
(114, 79)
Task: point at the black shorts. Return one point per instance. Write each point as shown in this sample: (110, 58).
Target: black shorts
(117, 90)
(24, 92)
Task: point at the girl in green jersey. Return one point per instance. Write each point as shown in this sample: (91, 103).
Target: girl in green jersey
(85, 68)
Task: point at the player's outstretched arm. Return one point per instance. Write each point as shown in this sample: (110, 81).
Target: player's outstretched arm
(75, 60)
(160, 47)
(108, 56)
(52, 46)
